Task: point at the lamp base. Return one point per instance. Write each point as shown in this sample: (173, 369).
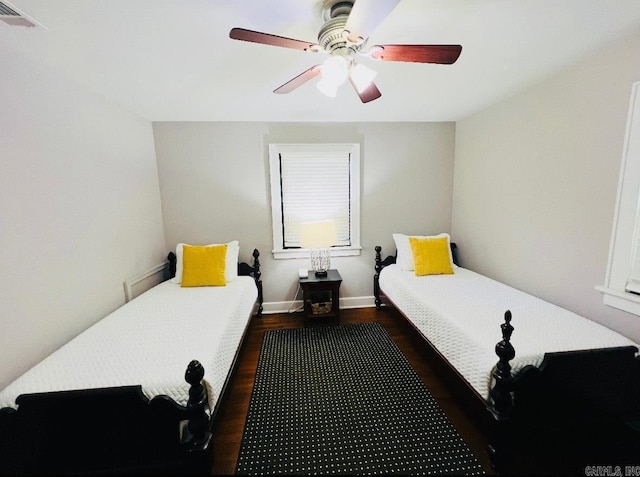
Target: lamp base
(320, 261)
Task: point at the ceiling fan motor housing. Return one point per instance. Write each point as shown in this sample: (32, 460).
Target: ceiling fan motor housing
(331, 36)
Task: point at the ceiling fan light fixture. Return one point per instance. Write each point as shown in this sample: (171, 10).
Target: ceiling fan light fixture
(327, 88)
(335, 70)
(362, 77)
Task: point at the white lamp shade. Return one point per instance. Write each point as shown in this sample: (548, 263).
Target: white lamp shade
(335, 70)
(327, 88)
(320, 234)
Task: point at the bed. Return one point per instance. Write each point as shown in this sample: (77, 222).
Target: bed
(554, 377)
(139, 390)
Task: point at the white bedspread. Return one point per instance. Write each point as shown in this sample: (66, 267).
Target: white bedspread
(461, 314)
(150, 341)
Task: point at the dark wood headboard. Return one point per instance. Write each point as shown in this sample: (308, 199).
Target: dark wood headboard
(392, 258)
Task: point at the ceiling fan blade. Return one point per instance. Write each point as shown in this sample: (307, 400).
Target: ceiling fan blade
(365, 16)
(370, 93)
(298, 80)
(441, 54)
(274, 40)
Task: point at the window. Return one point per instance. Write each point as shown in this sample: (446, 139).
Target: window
(311, 182)
(622, 284)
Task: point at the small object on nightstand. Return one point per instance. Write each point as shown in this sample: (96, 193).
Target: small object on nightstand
(303, 273)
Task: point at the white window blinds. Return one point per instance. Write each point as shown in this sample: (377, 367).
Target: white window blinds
(315, 186)
(314, 183)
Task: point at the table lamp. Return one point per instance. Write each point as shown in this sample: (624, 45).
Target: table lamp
(318, 237)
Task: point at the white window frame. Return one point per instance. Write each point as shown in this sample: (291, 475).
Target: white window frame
(353, 149)
(626, 223)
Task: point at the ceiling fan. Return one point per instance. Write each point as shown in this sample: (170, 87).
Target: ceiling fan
(344, 35)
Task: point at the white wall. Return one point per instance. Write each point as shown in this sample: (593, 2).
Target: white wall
(79, 210)
(535, 184)
(214, 180)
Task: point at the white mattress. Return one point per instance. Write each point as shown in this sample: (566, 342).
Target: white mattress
(150, 341)
(461, 314)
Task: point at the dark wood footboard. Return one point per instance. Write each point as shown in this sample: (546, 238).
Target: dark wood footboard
(578, 408)
(114, 430)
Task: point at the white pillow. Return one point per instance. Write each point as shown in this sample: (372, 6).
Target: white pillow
(231, 262)
(404, 258)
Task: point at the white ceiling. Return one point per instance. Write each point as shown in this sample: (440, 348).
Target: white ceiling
(172, 60)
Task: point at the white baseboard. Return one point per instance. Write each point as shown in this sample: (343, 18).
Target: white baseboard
(291, 306)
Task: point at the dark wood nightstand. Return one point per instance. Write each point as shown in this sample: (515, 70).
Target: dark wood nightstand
(321, 295)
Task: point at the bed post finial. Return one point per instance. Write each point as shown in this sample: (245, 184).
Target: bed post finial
(198, 435)
(376, 277)
(380, 264)
(256, 276)
(500, 395)
(171, 257)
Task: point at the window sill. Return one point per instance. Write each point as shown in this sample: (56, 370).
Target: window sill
(304, 252)
(621, 300)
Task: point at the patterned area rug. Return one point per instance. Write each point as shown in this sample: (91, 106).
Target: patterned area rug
(345, 400)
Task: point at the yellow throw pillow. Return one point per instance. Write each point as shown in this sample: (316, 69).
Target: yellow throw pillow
(203, 266)
(430, 256)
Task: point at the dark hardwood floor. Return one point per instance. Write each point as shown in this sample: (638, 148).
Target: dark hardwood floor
(231, 418)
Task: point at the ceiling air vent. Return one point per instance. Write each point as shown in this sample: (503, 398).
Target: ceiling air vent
(12, 16)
